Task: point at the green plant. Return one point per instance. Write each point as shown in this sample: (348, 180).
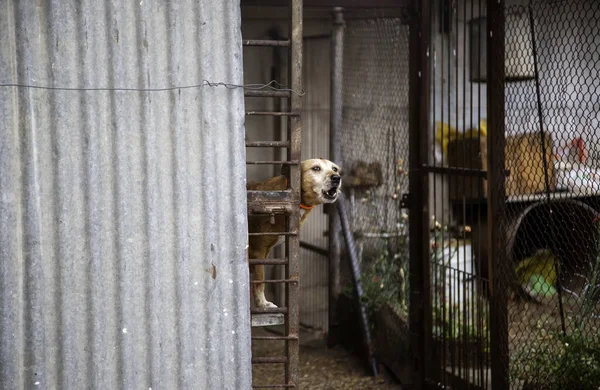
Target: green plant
(384, 282)
(560, 362)
(570, 360)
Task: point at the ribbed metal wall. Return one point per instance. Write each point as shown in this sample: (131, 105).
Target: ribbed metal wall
(314, 268)
(122, 213)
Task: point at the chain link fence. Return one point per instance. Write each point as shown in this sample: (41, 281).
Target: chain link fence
(375, 158)
(550, 219)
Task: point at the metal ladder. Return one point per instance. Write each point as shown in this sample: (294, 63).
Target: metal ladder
(286, 202)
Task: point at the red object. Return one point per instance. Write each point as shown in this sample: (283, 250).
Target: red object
(581, 150)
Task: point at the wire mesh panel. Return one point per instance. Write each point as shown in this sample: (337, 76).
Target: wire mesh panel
(375, 153)
(550, 218)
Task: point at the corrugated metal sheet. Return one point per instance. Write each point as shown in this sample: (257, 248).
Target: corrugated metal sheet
(314, 268)
(122, 214)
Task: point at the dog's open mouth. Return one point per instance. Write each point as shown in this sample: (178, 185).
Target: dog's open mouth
(331, 194)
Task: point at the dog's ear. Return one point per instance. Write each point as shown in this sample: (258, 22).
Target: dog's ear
(285, 170)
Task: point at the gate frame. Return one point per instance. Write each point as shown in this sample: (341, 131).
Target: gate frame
(497, 255)
(417, 200)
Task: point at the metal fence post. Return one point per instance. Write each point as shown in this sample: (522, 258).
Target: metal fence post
(418, 201)
(496, 203)
(335, 152)
(292, 293)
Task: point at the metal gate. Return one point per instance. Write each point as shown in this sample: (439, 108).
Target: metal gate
(455, 317)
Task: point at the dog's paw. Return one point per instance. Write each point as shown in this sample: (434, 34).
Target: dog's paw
(266, 305)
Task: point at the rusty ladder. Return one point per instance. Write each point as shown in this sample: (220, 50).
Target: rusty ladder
(287, 202)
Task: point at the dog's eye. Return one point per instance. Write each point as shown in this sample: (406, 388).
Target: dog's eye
(316, 168)
(335, 169)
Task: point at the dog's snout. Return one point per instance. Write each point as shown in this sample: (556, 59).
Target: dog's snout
(335, 180)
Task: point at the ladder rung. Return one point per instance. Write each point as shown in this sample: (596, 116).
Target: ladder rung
(285, 196)
(267, 319)
(265, 42)
(274, 281)
(274, 234)
(271, 113)
(268, 310)
(268, 261)
(274, 338)
(280, 94)
(269, 360)
(267, 144)
(293, 162)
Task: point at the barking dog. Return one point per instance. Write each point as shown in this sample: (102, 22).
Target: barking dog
(321, 182)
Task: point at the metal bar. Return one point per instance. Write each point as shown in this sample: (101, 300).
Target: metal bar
(483, 367)
(279, 94)
(268, 261)
(271, 113)
(270, 209)
(267, 144)
(497, 256)
(264, 162)
(335, 151)
(380, 235)
(317, 36)
(445, 186)
(470, 299)
(292, 248)
(286, 196)
(274, 234)
(273, 338)
(324, 15)
(314, 248)
(553, 237)
(269, 310)
(435, 267)
(352, 252)
(333, 3)
(419, 275)
(274, 281)
(454, 171)
(269, 360)
(265, 42)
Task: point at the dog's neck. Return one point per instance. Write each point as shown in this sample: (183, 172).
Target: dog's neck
(304, 205)
(305, 214)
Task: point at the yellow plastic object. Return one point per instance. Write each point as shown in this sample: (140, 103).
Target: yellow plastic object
(483, 127)
(444, 133)
(541, 263)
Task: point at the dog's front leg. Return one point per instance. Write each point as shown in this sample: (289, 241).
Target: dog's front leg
(258, 274)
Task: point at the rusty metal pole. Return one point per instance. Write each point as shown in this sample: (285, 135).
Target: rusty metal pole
(418, 198)
(292, 291)
(354, 265)
(497, 255)
(335, 154)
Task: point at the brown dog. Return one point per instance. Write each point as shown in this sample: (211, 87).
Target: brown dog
(321, 182)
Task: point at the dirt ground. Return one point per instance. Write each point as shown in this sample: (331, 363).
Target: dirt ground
(320, 367)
